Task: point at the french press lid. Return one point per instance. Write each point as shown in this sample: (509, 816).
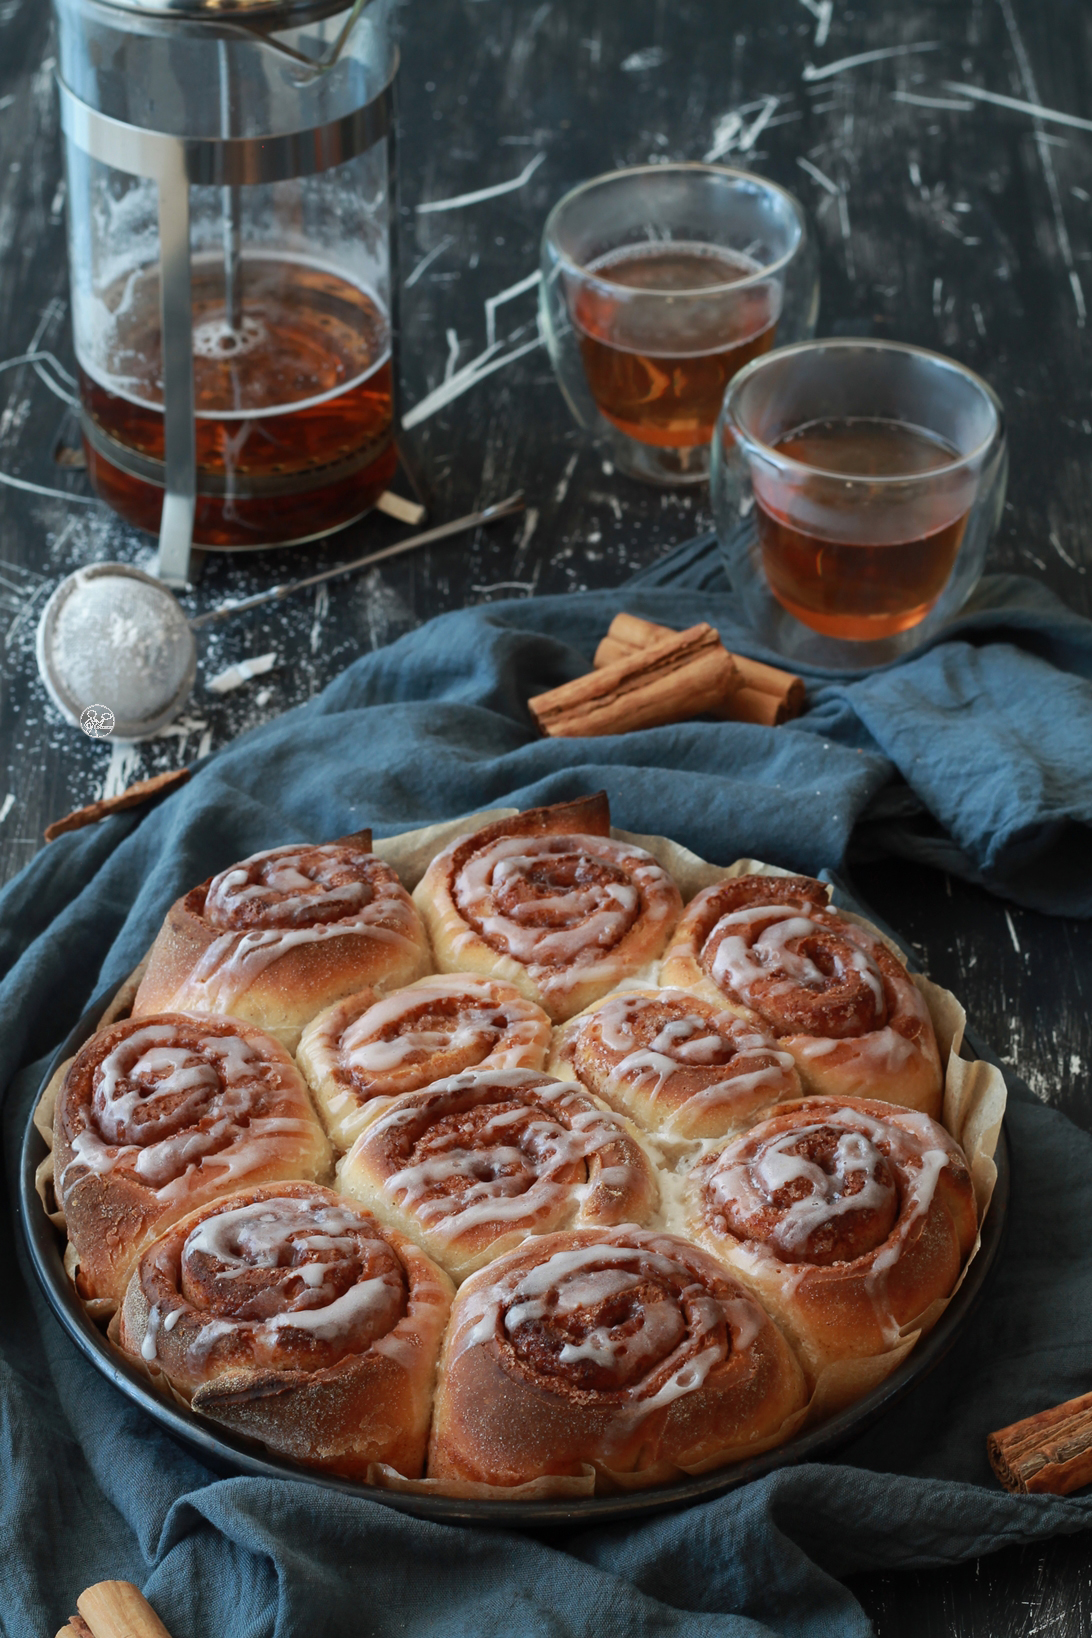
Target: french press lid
(267, 14)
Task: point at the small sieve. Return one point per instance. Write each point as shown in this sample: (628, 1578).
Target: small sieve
(114, 637)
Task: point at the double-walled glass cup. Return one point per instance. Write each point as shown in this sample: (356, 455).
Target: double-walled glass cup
(658, 284)
(856, 487)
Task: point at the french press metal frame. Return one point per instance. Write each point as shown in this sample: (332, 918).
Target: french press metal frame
(176, 164)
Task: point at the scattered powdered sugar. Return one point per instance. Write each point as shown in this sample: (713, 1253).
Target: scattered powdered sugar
(120, 640)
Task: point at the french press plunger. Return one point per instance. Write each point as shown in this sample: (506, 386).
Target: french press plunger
(230, 175)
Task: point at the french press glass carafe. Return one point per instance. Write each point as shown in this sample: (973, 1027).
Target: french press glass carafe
(230, 176)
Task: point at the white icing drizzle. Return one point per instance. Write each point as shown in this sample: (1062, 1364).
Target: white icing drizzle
(283, 1233)
(670, 1051)
(292, 884)
(501, 1181)
(667, 1355)
(918, 1151)
(687, 1042)
(164, 1108)
(741, 961)
(148, 1344)
(490, 1023)
(259, 1234)
(884, 1051)
(376, 908)
(560, 935)
(750, 1184)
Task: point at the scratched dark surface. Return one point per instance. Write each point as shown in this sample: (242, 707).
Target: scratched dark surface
(944, 219)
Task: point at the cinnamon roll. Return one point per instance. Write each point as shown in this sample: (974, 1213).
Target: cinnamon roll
(283, 934)
(550, 903)
(366, 1048)
(680, 1065)
(476, 1163)
(633, 1351)
(848, 1218)
(287, 1314)
(158, 1115)
(832, 993)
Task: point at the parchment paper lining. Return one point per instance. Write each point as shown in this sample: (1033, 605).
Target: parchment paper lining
(973, 1108)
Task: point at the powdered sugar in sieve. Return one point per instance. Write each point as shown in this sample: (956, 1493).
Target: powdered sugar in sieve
(111, 635)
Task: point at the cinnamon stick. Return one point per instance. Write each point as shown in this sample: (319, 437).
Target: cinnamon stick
(626, 633)
(142, 791)
(1050, 1453)
(766, 695)
(683, 675)
(75, 1627)
(117, 1609)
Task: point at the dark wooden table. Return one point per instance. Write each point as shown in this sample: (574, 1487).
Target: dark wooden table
(944, 218)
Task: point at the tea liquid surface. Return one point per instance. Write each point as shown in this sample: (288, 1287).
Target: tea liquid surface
(853, 588)
(293, 403)
(658, 369)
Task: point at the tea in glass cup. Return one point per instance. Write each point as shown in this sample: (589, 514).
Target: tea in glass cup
(857, 485)
(659, 284)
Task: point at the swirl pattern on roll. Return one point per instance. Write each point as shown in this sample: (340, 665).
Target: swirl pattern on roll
(833, 993)
(849, 1218)
(678, 1064)
(279, 936)
(290, 1315)
(295, 886)
(563, 913)
(474, 1164)
(156, 1115)
(630, 1350)
(367, 1048)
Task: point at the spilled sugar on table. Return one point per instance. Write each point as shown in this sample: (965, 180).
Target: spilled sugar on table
(948, 213)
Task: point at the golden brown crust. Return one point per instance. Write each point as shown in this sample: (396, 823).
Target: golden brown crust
(636, 1352)
(289, 1315)
(476, 1163)
(157, 1115)
(832, 993)
(847, 1217)
(563, 914)
(279, 936)
(680, 1065)
(368, 1048)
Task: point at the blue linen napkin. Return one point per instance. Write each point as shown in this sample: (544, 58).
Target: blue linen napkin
(988, 729)
(434, 726)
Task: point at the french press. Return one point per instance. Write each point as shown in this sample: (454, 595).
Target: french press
(230, 170)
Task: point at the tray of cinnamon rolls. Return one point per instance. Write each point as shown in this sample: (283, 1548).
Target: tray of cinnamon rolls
(515, 1168)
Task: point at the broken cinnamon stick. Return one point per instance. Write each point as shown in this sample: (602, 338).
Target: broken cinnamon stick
(137, 793)
(766, 695)
(1050, 1453)
(686, 674)
(75, 1627)
(117, 1609)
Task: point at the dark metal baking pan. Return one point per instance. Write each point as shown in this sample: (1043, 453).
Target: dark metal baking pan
(226, 1455)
